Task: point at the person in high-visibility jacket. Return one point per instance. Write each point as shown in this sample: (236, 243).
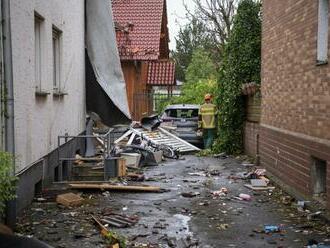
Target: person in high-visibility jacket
(207, 118)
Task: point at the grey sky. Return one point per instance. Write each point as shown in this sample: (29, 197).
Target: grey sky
(176, 15)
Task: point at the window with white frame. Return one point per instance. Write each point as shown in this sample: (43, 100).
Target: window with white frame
(56, 59)
(323, 31)
(38, 21)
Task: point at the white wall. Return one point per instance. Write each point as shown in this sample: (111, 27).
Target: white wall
(39, 120)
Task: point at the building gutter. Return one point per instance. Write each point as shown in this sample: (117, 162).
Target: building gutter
(9, 90)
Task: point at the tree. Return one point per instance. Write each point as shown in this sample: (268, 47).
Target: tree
(216, 17)
(191, 37)
(241, 64)
(201, 77)
(200, 68)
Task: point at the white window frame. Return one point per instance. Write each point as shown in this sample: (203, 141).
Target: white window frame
(323, 32)
(57, 49)
(38, 22)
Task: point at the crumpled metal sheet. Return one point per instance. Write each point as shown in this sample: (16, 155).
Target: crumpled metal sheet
(103, 55)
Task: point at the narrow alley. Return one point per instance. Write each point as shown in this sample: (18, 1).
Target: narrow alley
(186, 214)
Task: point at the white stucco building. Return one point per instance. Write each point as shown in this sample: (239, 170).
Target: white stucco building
(48, 58)
(46, 79)
(48, 84)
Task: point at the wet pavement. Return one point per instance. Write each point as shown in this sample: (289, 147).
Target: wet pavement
(187, 215)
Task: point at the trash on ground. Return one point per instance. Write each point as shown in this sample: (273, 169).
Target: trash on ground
(272, 228)
(244, 197)
(258, 183)
(313, 216)
(222, 192)
(249, 186)
(200, 174)
(190, 194)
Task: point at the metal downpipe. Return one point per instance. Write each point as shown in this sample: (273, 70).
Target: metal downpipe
(8, 72)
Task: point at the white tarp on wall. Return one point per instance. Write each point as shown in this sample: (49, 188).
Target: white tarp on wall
(103, 52)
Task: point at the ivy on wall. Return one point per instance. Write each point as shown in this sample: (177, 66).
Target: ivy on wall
(241, 64)
(7, 181)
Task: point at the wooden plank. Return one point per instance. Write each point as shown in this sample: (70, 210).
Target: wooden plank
(249, 186)
(105, 186)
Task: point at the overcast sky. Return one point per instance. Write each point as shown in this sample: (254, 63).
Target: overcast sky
(176, 15)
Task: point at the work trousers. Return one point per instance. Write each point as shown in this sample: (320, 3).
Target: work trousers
(208, 137)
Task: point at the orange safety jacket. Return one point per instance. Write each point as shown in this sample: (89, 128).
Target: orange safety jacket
(207, 116)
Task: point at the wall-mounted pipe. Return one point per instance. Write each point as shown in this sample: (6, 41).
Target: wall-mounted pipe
(8, 76)
(2, 91)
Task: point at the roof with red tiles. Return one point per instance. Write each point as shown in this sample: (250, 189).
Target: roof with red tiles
(161, 72)
(138, 28)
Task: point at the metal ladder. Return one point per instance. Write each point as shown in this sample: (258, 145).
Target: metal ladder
(159, 136)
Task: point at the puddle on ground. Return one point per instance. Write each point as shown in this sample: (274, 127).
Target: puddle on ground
(181, 227)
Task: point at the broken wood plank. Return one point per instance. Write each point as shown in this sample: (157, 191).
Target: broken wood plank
(249, 186)
(114, 223)
(104, 230)
(106, 186)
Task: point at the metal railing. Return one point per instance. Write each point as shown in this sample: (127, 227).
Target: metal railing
(105, 140)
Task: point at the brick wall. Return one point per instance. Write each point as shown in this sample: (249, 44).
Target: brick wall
(290, 158)
(295, 120)
(295, 91)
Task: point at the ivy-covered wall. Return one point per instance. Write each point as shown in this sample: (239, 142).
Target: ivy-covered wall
(241, 64)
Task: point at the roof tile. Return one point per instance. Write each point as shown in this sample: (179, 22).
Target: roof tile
(161, 72)
(139, 22)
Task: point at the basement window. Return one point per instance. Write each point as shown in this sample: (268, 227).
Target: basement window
(319, 177)
(322, 32)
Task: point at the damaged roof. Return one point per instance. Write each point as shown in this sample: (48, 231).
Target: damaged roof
(138, 28)
(161, 73)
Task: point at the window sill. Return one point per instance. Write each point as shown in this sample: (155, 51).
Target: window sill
(41, 93)
(59, 93)
(321, 62)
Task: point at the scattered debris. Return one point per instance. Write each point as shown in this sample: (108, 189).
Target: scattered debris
(272, 229)
(221, 192)
(69, 200)
(258, 183)
(119, 221)
(244, 197)
(190, 194)
(200, 174)
(249, 186)
(314, 216)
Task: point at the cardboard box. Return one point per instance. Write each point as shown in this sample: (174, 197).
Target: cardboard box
(69, 200)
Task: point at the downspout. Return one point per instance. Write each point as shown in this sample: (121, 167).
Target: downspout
(9, 125)
(2, 91)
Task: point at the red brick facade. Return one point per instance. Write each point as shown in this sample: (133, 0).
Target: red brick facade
(295, 117)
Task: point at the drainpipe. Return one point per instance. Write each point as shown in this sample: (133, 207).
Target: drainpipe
(8, 76)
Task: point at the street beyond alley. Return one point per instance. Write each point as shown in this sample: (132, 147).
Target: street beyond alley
(186, 214)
